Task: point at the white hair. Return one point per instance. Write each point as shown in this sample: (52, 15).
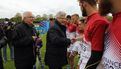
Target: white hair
(25, 14)
(60, 13)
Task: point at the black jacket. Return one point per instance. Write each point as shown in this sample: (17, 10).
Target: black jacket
(1, 33)
(23, 42)
(56, 46)
(1, 61)
(3, 39)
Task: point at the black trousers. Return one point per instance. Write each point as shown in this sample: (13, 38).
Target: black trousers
(24, 67)
(1, 61)
(55, 67)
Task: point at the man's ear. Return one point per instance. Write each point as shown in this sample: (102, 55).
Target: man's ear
(85, 4)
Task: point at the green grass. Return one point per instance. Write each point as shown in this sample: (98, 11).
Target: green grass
(10, 64)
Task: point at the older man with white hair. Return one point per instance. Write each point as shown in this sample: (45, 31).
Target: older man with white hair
(57, 43)
(23, 38)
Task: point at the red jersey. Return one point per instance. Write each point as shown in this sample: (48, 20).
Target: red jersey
(66, 24)
(79, 31)
(72, 28)
(95, 30)
(112, 44)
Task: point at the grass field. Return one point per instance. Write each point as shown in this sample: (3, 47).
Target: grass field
(10, 64)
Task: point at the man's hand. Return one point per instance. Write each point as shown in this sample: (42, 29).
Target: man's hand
(77, 39)
(80, 38)
(9, 28)
(37, 49)
(73, 40)
(34, 37)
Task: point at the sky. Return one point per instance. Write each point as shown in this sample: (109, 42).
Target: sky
(8, 8)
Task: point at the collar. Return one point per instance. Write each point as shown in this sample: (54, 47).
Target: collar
(27, 24)
(115, 16)
(89, 17)
(58, 23)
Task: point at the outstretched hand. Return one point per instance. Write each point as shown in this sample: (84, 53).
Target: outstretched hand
(73, 40)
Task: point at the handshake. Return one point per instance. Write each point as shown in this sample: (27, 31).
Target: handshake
(34, 37)
(73, 40)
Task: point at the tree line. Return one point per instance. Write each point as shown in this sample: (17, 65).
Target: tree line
(18, 18)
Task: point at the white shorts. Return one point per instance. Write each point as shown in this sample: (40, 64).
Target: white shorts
(84, 62)
(85, 54)
(70, 35)
(76, 46)
(82, 66)
(80, 61)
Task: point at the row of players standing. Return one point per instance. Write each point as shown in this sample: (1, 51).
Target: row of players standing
(75, 29)
(82, 47)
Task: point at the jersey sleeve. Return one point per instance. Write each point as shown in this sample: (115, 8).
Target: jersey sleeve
(97, 42)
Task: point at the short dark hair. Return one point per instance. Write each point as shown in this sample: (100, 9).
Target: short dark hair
(91, 2)
(68, 16)
(51, 19)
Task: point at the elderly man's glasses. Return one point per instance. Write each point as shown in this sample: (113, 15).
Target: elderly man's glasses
(30, 17)
(63, 18)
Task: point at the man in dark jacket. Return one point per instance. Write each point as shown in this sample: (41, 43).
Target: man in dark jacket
(23, 37)
(57, 43)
